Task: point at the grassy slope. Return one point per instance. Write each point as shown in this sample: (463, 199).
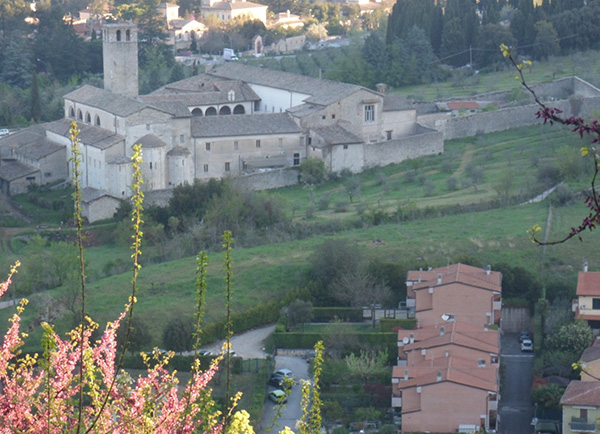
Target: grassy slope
(166, 290)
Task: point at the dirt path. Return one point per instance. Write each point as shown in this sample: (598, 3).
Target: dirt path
(467, 157)
(248, 345)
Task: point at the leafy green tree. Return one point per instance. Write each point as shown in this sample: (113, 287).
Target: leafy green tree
(490, 37)
(367, 365)
(331, 260)
(178, 334)
(518, 282)
(546, 40)
(357, 289)
(548, 396)
(139, 336)
(312, 171)
(16, 60)
(574, 338)
(454, 47)
(299, 312)
(36, 104)
(60, 51)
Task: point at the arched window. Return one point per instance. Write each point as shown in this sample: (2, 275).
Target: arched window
(97, 121)
(211, 111)
(225, 110)
(197, 112)
(71, 112)
(128, 35)
(88, 118)
(79, 115)
(118, 35)
(239, 110)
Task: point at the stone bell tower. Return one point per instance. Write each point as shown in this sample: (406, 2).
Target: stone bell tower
(120, 58)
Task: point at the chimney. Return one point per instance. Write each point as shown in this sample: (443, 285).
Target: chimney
(439, 376)
(488, 269)
(442, 331)
(405, 374)
(381, 88)
(439, 279)
(419, 278)
(585, 267)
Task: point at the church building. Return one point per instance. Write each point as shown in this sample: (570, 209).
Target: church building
(232, 121)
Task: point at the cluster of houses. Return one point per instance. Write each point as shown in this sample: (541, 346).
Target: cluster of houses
(581, 400)
(447, 375)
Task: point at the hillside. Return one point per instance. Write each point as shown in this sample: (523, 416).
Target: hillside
(487, 227)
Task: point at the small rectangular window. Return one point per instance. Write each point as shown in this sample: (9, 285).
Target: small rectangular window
(596, 303)
(388, 135)
(370, 113)
(333, 116)
(48, 174)
(324, 117)
(309, 140)
(345, 146)
(296, 159)
(258, 143)
(280, 142)
(227, 166)
(208, 146)
(147, 127)
(181, 138)
(151, 165)
(236, 145)
(206, 167)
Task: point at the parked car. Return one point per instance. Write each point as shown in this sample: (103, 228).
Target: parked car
(283, 372)
(524, 335)
(527, 345)
(543, 426)
(4, 132)
(278, 396)
(281, 382)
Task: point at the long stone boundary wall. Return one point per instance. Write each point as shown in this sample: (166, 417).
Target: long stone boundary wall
(493, 121)
(423, 141)
(572, 95)
(267, 180)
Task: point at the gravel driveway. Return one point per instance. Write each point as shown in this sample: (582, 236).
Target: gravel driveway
(247, 345)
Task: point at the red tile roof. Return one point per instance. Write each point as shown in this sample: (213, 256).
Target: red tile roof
(582, 393)
(454, 369)
(458, 333)
(588, 283)
(463, 105)
(456, 273)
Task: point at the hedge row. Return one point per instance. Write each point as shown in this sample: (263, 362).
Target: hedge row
(345, 314)
(387, 324)
(180, 363)
(308, 340)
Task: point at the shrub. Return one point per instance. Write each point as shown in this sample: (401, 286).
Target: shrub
(452, 183)
(341, 206)
(312, 171)
(324, 201)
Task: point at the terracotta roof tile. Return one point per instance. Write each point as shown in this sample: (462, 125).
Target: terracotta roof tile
(582, 393)
(588, 283)
(454, 273)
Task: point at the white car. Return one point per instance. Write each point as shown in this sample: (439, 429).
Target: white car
(4, 132)
(527, 345)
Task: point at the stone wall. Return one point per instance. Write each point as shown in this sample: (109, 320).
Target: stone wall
(423, 141)
(515, 319)
(267, 180)
(493, 121)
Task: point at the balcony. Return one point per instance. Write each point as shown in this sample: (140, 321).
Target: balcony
(580, 424)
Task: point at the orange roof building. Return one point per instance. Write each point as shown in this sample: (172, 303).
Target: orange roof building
(587, 304)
